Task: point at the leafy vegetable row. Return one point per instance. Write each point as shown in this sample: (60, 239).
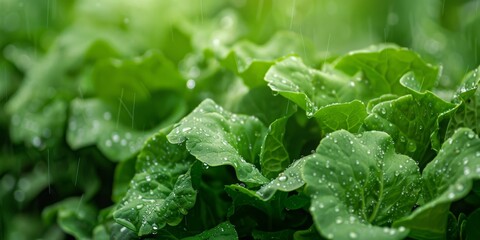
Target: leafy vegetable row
(385, 167)
(215, 136)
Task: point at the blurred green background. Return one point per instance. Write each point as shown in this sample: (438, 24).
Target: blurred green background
(48, 48)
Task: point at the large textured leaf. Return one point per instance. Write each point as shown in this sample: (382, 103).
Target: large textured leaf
(309, 88)
(217, 137)
(446, 179)
(413, 121)
(359, 186)
(361, 75)
(161, 192)
(383, 67)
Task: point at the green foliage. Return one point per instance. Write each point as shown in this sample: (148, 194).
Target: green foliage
(217, 137)
(446, 179)
(161, 191)
(357, 182)
(306, 119)
(73, 216)
(413, 121)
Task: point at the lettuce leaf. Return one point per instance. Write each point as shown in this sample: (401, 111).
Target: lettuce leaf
(217, 137)
(446, 179)
(359, 185)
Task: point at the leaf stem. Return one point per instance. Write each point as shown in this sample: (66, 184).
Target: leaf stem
(377, 205)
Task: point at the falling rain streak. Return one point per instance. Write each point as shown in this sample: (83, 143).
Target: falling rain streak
(48, 12)
(293, 14)
(259, 9)
(48, 170)
(120, 103)
(76, 174)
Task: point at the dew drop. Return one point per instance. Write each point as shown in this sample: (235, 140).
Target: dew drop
(19, 195)
(282, 178)
(115, 137)
(451, 195)
(191, 84)
(107, 116)
(183, 211)
(353, 235)
(37, 142)
(471, 135)
(411, 147)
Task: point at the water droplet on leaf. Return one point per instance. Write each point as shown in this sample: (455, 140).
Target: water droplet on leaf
(282, 178)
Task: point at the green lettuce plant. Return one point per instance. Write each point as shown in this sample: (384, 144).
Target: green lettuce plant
(223, 120)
